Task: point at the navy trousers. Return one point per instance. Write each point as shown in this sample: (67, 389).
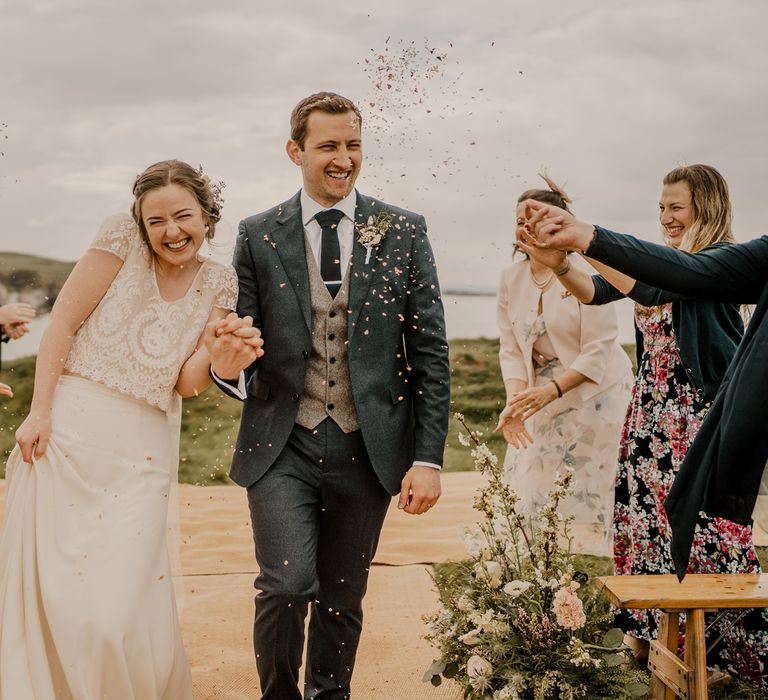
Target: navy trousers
(316, 515)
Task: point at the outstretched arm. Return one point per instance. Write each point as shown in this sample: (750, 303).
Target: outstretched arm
(735, 273)
(576, 281)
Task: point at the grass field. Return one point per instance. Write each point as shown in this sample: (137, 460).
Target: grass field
(209, 424)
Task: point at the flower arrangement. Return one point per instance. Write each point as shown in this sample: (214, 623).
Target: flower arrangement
(517, 623)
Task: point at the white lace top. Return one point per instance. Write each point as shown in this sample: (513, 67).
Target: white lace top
(134, 341)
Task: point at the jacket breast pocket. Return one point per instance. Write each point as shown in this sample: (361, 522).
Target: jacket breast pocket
(258, 388)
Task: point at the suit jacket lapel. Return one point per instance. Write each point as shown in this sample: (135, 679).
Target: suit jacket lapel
(289, 241)
(361, 274)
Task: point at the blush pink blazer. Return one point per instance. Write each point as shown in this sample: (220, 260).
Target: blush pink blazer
(584, 337)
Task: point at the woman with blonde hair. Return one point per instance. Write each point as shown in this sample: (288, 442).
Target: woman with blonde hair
(87, 606)
(684, 347)
(567, 383)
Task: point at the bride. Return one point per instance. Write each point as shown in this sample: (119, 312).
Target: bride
(87, 609)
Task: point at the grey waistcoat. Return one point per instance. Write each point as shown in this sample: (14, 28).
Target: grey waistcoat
(327, 387)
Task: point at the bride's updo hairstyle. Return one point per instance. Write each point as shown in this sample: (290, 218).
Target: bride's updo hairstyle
(177, 172)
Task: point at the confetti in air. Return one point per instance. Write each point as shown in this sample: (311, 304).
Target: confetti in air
(428, 122)
(400, 75)
(413, 86)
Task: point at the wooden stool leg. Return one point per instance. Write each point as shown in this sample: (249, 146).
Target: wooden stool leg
(669, 632)
(696, 652)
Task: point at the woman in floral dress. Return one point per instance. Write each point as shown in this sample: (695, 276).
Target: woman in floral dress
(683, 349)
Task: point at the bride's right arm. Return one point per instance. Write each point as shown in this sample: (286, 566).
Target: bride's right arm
(86, 285)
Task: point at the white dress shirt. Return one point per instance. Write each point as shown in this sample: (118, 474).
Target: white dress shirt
(345, 229)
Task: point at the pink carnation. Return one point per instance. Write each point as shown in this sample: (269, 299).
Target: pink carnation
(569, 610)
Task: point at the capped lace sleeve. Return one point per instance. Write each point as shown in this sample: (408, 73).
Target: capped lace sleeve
(116, 235)
(226, 297)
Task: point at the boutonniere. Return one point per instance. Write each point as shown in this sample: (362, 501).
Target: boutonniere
(371, 233)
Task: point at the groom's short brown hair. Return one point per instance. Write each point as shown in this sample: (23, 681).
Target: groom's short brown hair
(329, 102)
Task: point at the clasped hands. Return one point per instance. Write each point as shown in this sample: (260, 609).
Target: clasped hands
(521, 406)
(233, 343)
(549, 226)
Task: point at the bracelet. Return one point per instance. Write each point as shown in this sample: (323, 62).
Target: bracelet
(564, 270)
(559, 390)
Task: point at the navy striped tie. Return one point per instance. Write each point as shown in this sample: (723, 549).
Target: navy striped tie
(330, 253)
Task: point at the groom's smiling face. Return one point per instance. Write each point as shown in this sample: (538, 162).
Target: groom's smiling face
(330, 157)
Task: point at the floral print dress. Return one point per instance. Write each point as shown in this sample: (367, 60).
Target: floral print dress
(664, 416)
(583, 435)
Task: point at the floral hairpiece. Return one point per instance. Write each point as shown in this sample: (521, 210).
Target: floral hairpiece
(217, 188)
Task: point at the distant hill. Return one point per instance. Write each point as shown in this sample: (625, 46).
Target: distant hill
(31, 278)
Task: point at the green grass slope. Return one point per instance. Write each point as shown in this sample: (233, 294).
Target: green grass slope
(209, 423)
(47, 271)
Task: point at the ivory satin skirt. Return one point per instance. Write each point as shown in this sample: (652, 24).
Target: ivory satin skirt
(87, 608)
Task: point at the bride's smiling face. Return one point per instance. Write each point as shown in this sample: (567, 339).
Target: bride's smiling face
(174, 222)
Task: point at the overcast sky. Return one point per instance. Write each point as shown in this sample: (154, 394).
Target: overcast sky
(608, 94)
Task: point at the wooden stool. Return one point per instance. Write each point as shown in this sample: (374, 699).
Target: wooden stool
(698, 593)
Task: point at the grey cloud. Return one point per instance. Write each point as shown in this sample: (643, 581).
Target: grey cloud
(610, 95)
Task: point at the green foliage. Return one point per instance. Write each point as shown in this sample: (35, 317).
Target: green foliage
(477, 390)
(209, 427)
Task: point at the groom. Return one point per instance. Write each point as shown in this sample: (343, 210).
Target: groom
(347, 407)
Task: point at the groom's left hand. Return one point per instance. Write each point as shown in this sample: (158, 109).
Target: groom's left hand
(420, 490)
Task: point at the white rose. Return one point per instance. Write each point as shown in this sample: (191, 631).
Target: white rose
(479, 671)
